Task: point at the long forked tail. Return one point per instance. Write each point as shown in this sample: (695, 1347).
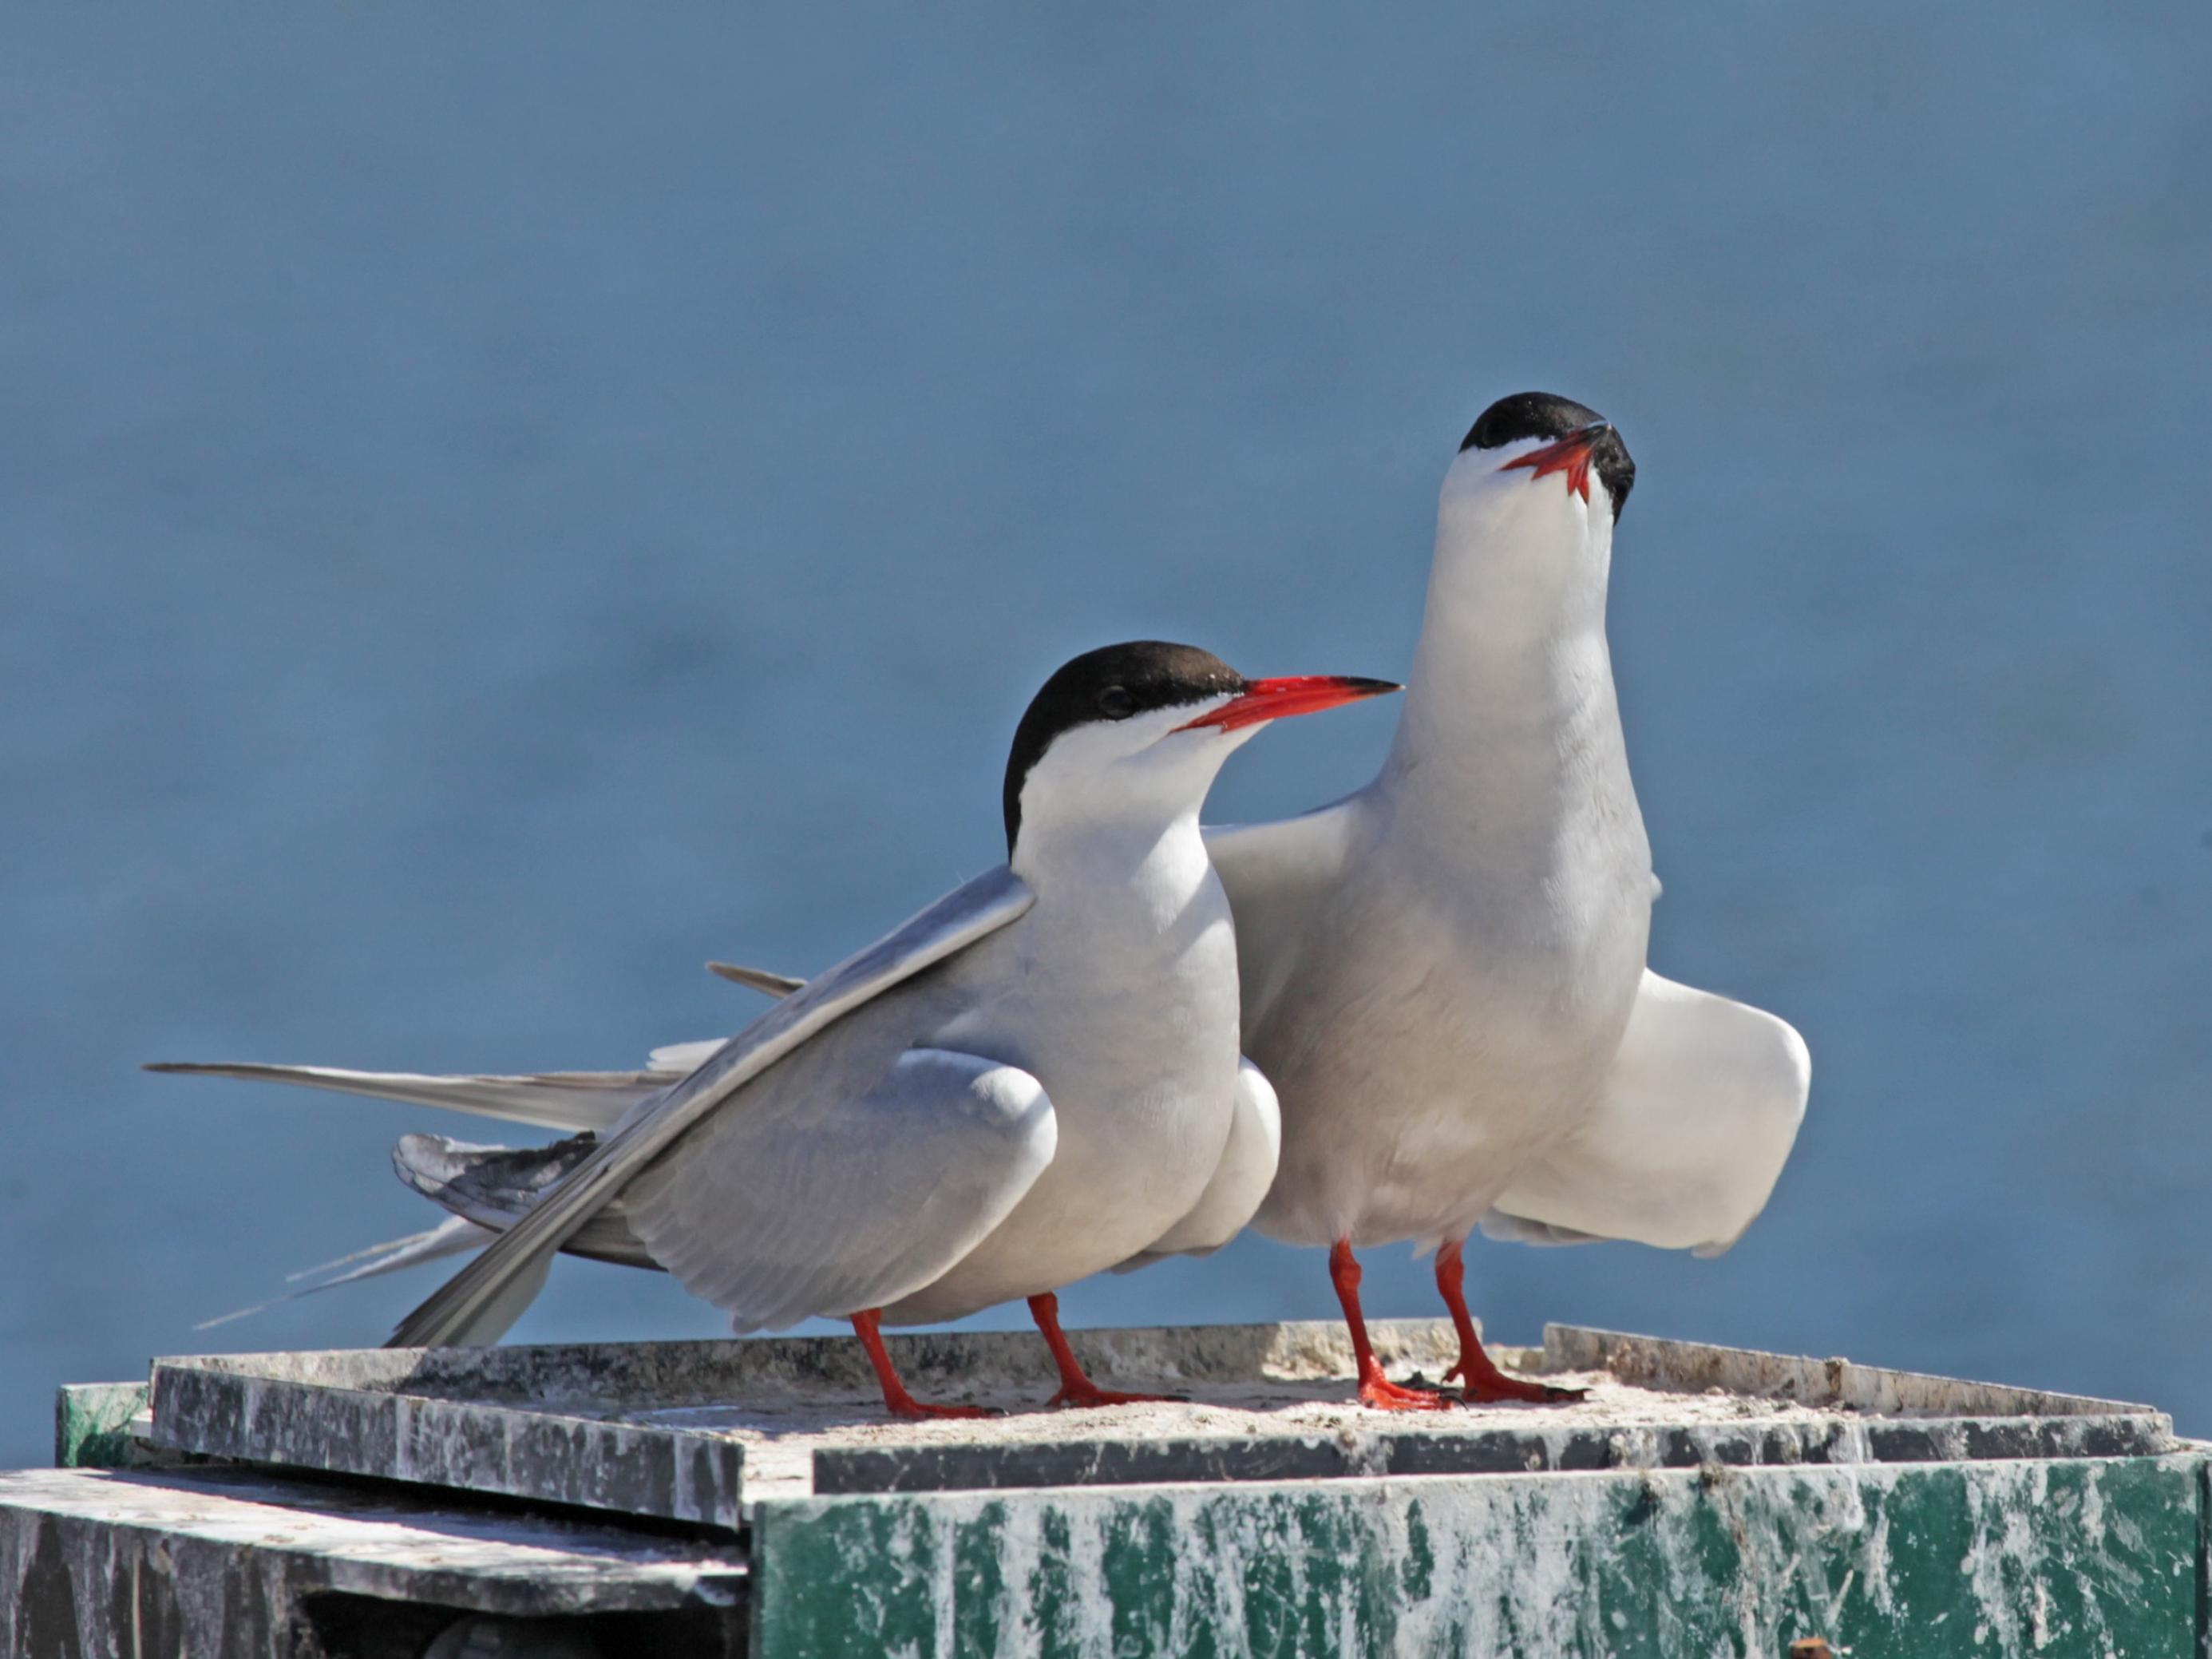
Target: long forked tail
(552, 1100)
(449, 1237)
(487, 1187)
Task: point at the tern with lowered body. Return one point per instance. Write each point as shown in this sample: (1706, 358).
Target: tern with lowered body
(1036, 1078)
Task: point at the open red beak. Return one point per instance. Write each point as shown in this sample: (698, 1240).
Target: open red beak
(1570, 455)
(1299, 694)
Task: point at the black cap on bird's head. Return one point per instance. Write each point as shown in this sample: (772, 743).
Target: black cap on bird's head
(1577, 440)
(1134, 683)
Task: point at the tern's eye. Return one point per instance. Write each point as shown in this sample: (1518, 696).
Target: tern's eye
(1116, 702)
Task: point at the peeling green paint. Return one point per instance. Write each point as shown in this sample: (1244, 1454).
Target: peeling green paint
(92, 1425)
(2069, 1557)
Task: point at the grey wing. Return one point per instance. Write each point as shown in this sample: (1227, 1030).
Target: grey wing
(1276, 876)
(810, 1201)
(1698, 1115)
(970, 912)
(1239, 1180)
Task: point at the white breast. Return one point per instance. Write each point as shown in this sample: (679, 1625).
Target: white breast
(1122, 999)
(1437, 985)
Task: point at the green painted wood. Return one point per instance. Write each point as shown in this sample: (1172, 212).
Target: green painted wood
(92, 1425)
(2054, 1558)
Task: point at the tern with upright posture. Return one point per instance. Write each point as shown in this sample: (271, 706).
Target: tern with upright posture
(1443, 974)
(1036, 1078)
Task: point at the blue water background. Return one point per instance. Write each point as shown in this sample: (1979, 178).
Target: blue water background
(498, 505)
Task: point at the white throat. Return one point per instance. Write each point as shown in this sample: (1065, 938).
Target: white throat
(1511, 718)
(1115, 803)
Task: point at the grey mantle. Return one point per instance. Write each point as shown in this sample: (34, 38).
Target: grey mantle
(720, 1497)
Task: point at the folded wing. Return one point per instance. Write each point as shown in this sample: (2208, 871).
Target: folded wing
(656, 1125)
(1699, 1113)
(821, 1195)
(807, 1198)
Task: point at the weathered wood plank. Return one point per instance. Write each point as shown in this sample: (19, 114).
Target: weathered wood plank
(94, 1425)
(225, 1561)
(513, 1450)
(1445, 1449)
(1950, 1558)
(670, 1430)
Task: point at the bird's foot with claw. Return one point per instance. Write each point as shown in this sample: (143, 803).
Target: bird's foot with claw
(914, 1411)
(1384, 1396)
(1488, 1386)
(1073, 1398)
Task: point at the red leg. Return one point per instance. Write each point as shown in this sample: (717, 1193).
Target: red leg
(867, 1326)
(1075, 1388)
(1374, 1389)
(1485, 1381)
